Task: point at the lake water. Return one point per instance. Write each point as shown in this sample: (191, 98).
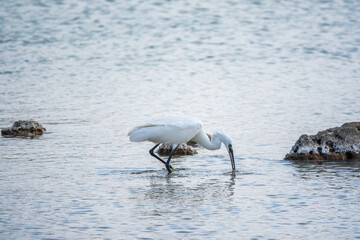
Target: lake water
(264, 72)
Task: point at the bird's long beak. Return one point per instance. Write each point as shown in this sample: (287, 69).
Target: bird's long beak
(231, 154)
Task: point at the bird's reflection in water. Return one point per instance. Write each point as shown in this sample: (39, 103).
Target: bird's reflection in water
(179, 191)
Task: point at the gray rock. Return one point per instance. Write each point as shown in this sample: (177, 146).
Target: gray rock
(339, 143)
(24, 128)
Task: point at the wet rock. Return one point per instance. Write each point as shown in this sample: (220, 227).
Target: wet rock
(339, 143)
(182, 149)
(24, 128)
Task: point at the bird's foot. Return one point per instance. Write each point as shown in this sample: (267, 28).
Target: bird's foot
(169, 168)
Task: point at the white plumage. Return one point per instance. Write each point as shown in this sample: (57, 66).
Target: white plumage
(171, 130)
(176, 130)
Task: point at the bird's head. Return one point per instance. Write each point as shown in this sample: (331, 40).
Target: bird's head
(226, 140)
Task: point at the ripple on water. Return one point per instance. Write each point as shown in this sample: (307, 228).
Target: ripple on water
(90, 71)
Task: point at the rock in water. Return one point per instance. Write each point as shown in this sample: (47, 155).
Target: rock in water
(182, 149)
(339, 143)
(24, 128)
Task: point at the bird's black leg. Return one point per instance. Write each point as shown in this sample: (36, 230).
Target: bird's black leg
(157, 157)
(168, 166)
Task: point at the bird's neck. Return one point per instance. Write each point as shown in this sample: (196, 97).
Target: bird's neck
(203, 140)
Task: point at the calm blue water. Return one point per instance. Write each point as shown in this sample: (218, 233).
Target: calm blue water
(264, 72)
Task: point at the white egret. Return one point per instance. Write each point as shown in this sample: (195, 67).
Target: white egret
(176, 130)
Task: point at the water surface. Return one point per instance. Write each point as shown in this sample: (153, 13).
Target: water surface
(264, 72)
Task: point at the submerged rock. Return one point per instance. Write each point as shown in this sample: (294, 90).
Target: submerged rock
(182, 149)
(24, 128)
(339, 143)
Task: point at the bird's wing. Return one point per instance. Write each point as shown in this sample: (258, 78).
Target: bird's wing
(178, 122)
(167, 130)
(146, 125)
(142, 133)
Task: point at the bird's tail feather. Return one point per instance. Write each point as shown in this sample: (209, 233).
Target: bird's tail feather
(142, 133)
